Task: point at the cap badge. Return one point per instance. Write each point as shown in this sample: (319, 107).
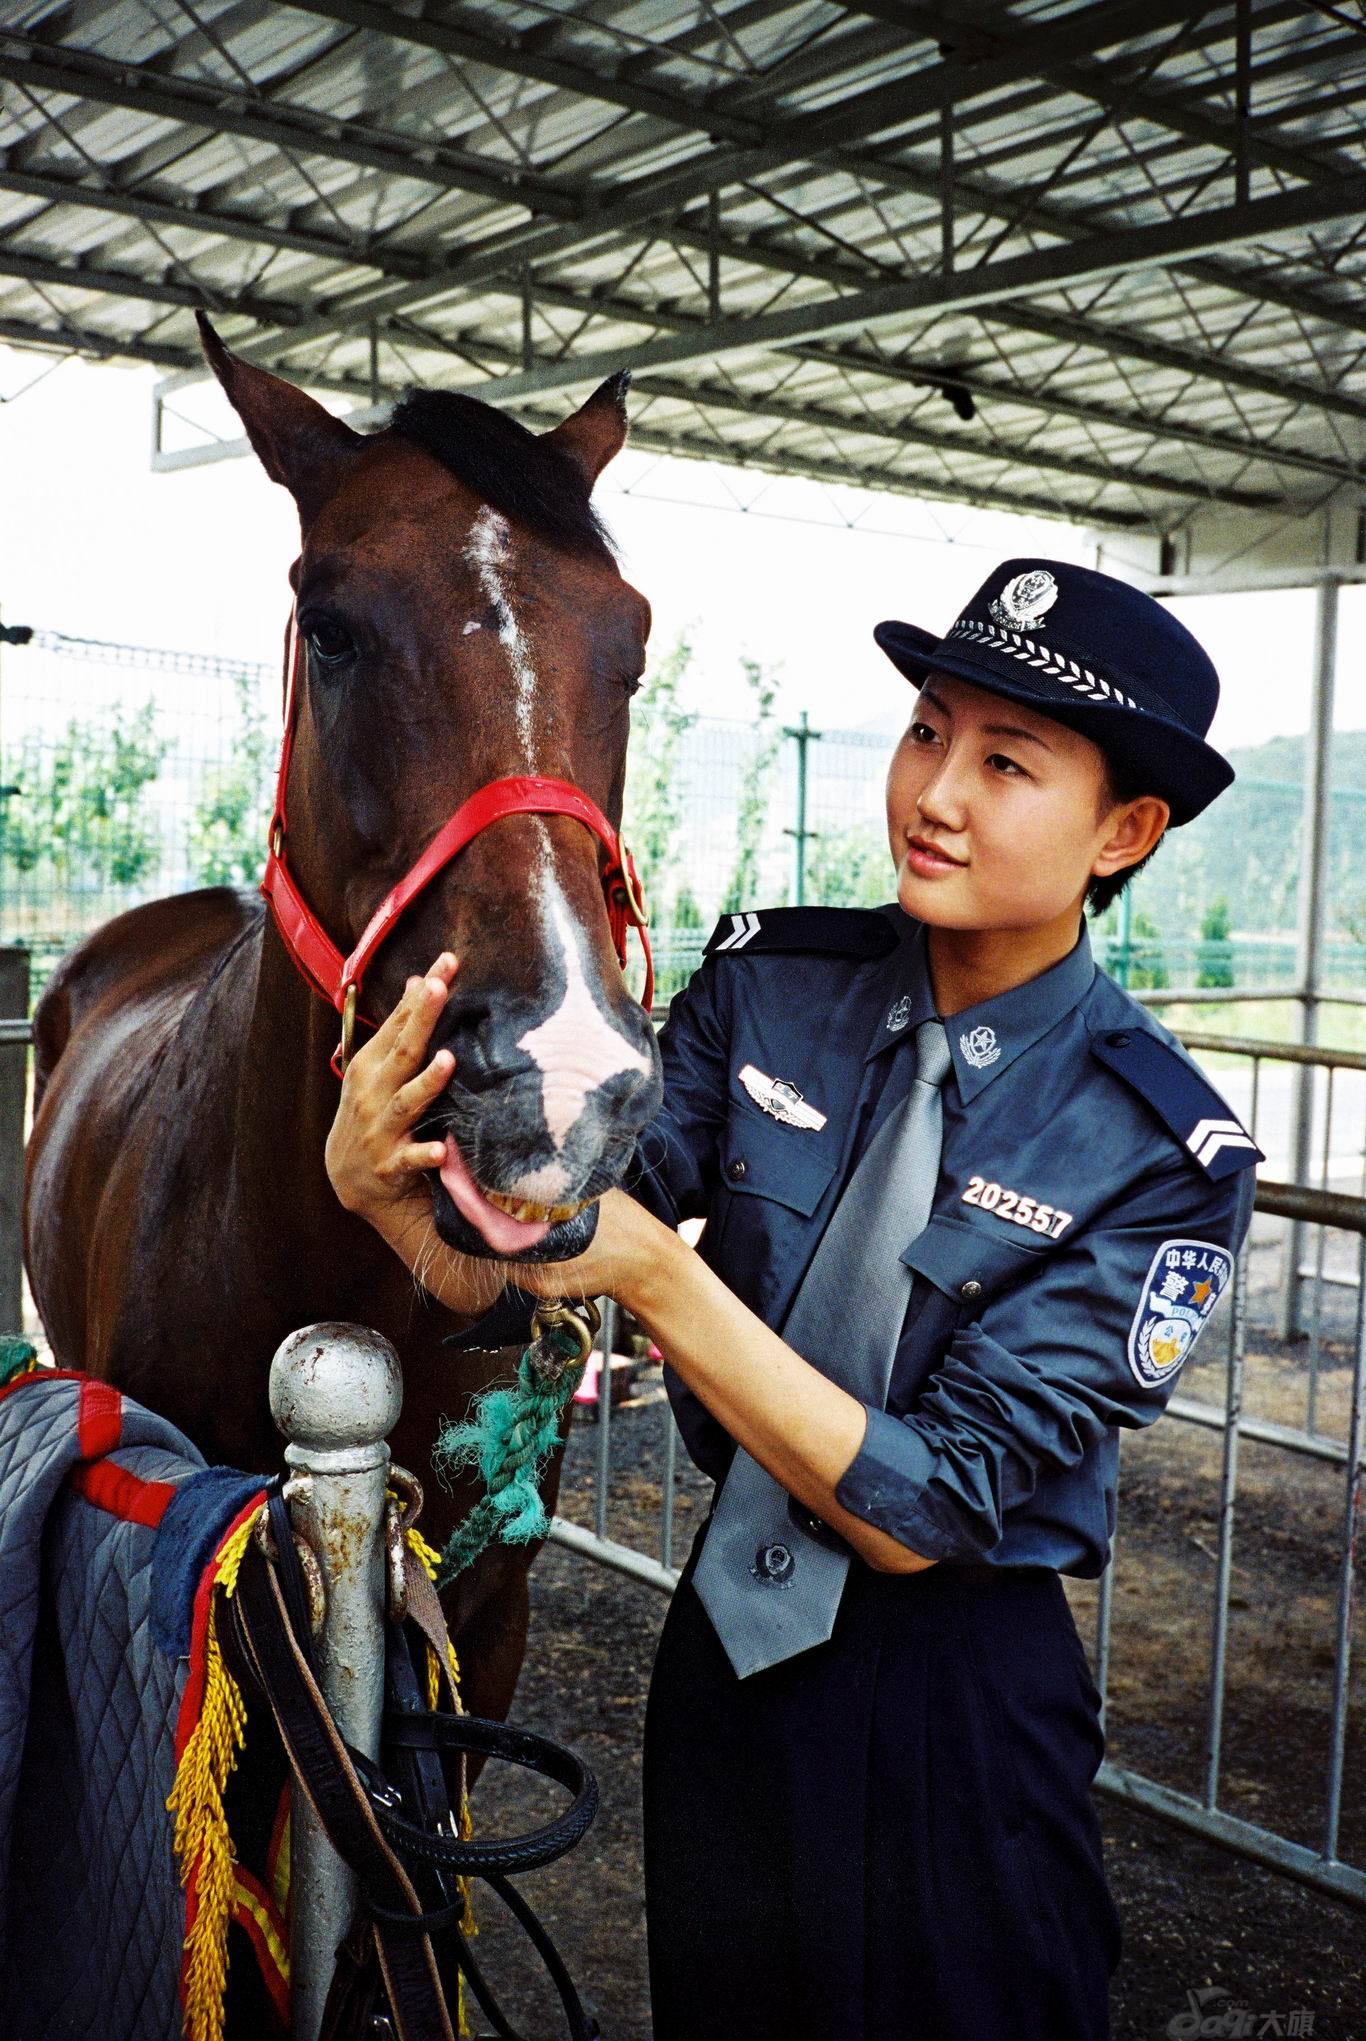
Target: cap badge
(899, 1014)
(1025, 601)
(980, 1047)
(781, 1100)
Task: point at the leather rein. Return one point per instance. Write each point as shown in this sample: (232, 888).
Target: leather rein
(338, 978)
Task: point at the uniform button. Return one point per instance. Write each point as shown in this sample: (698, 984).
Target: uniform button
(1119, 1040)
(970, 1292)
(735, 1170)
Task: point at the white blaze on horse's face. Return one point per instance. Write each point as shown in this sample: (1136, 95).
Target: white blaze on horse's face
(487, 551)
(576, 1049)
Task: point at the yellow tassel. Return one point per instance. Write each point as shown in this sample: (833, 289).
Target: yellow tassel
(201, 1828)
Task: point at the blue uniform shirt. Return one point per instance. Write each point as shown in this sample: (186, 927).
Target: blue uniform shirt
(1092, 1195)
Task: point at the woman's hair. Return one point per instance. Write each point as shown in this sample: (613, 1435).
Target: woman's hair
(1121, 784)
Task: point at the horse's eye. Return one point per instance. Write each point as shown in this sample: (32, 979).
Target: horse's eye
(328, 641)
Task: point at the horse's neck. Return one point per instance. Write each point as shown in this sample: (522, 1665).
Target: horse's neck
(285, 1102)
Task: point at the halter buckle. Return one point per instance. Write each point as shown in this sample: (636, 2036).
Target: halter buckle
(635, 898)
(348, 1028)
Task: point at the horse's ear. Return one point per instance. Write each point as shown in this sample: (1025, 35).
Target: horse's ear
(299, 444)
(595, 432)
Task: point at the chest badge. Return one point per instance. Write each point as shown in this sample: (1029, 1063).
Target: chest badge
(899, 1014)
(781, 1100)
(980, 1048)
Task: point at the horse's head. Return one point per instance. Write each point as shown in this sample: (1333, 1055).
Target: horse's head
(463, 620)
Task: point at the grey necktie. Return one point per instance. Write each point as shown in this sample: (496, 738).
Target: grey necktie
(771, 1588)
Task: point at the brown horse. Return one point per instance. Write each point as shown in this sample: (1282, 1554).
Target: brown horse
(463, 619)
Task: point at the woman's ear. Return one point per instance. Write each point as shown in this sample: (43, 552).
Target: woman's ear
(1133, 829)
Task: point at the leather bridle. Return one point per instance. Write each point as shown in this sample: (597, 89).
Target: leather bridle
(338, 978)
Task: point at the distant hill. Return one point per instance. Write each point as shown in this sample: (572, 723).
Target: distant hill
(1245, 848)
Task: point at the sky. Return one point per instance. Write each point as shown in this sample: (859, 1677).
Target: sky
(92, 543)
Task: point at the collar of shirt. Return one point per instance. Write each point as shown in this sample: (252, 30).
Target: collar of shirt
(986, 1039)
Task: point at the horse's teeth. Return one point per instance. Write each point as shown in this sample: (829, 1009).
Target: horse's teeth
(525, 1209)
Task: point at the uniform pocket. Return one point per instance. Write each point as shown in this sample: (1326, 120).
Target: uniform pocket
(969, 1262)
(761, 1158)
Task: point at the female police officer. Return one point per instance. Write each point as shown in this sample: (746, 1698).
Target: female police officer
(968, 1208)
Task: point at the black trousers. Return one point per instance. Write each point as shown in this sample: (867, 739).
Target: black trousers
(889, 1838)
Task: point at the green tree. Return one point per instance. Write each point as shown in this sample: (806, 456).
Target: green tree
(81, 810)
(1214, 957)
(751, 811)
(653, 810)
(1148, 966)
(850, 868)
(227, 829)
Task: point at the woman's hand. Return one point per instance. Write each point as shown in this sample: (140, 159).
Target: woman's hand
(374, 1163)
(625, 1259)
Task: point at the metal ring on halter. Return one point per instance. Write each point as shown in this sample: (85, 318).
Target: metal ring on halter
(277, 839)
(408, 1489)
(348, 1025)
(312, 1572)
(581, 1321)
(635, 900)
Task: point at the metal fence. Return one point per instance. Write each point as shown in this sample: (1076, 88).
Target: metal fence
(127, 772)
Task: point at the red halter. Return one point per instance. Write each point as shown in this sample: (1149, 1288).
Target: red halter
(338, 978)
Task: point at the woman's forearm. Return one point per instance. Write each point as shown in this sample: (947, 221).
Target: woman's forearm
(797, 1423)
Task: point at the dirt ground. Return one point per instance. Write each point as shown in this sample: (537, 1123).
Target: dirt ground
(1206, 1933)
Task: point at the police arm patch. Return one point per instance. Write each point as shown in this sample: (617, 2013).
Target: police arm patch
(1185, 1282)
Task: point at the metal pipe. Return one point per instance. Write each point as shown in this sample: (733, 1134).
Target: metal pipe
(607, 1339)
(1309, 932)
(335, 1393)
(667, 1478)
(1275, 1052)
(1228, 1496)
(621, 1558)
(1351, 1522)
(1244, 1838)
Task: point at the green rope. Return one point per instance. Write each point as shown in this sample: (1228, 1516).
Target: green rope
(17, 1355)
(509, 1436)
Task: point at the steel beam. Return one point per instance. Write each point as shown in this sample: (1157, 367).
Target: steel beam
(1105, 254)
(434, 266)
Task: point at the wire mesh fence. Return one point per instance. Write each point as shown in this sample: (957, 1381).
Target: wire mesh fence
(128, 772)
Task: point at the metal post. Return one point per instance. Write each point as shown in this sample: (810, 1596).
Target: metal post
(608, 1338)
(528, 346)
(335, 1393)
(1126, 934)
(713, 258)
(13, 1097)
(1309, 933)
(804, 737)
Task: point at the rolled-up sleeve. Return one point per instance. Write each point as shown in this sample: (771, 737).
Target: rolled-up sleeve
(1096, 1339)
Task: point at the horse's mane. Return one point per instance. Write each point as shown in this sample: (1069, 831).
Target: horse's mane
(514, 470)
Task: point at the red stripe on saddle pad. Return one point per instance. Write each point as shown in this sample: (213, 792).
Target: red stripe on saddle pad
(121, 1493)
(100, 1424)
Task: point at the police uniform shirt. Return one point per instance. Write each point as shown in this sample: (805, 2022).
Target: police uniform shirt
(1093, 1192)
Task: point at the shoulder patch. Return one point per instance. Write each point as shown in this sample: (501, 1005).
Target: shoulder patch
(837, 931)
(1183, 1100)
(1185, 1282)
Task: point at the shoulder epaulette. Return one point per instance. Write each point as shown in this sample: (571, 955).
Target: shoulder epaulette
(838, 931)
(1182, 1099)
